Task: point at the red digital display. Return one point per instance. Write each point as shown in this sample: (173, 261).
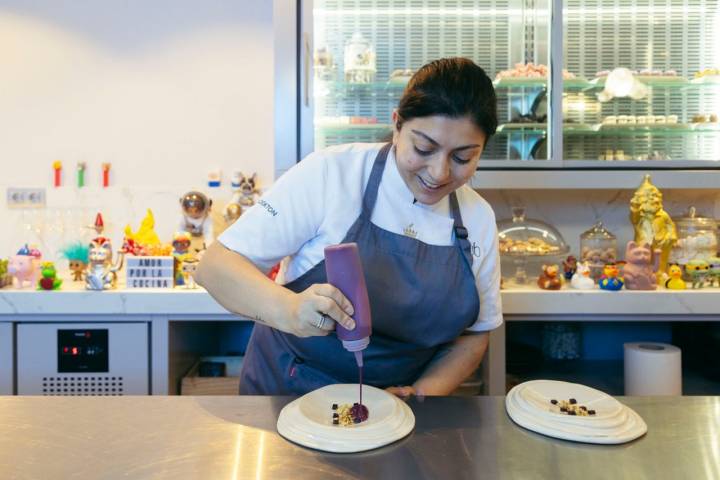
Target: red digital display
(66, 349)
(74, 350)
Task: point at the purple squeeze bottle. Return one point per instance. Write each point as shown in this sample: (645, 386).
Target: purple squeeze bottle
(344, 271)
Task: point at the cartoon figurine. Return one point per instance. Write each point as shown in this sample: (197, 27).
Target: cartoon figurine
(196, 219)
(77, 256)
(244, 196)
(101, 274)
(187, 269)
(569, 267)
(5, 278)
(582, 280)
(652, 224)
(24, 266)
(181, 252)
(49, 280)
(641, 267)
(549, 279)
(698, 270)
(675, 281)
(714, 271)
(610, 279)
(99, 226)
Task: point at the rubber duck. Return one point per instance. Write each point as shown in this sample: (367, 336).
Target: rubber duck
(609, 279)
(675, 282)
(582, 280)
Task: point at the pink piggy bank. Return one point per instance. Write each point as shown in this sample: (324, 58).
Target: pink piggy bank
(24, 266)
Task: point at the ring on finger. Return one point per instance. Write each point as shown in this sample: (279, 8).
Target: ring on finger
(322, 322)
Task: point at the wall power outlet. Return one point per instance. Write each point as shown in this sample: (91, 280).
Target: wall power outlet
(25, 197)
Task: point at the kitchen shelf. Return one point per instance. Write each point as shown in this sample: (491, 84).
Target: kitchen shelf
(615, 130)
(512, 83)
(602, 178)
(392, 90)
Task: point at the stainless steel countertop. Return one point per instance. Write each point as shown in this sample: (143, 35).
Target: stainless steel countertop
(234, 437)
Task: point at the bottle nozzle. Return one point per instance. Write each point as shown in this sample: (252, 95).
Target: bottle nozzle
(359, 358)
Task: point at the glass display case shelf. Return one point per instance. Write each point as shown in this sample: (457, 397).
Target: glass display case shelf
(351, 128)
(520, 82)
(677, 83)
(670, 129)
(394, 89)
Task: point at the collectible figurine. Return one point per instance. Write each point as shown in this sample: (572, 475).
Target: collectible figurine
(582, 280)
(652, 224)
(549, 279)
(610, 279)
(181, 252)
(49, 280)
(77, 257)
(244, 196)
(698, 271)
(675, 281)
(640, 272)
(5, 278)
(25, 266)
(714, 271)
(101, 274)
(99, 226)
(187, 268)
(196, 219)
(569, 267)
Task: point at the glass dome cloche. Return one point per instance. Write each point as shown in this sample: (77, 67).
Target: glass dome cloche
(527, 244)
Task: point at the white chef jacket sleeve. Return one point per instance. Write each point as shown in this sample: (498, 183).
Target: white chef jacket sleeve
(487, 281)
(284, 218)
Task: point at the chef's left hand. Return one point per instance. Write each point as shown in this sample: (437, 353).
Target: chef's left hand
(402, 392)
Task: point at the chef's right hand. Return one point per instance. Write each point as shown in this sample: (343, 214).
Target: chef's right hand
(314, 302)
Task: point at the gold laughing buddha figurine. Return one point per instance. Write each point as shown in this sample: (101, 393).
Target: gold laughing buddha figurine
(652, 224)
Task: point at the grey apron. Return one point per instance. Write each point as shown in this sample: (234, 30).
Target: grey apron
(421, 297)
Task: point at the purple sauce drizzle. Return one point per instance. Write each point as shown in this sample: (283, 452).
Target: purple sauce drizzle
(359, 412)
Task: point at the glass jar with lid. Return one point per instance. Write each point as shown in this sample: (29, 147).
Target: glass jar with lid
(360, 61)
(598, 247)
(527, 244)
(697, 238)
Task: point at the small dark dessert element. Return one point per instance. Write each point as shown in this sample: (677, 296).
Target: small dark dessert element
(347, 415)
(571, 407)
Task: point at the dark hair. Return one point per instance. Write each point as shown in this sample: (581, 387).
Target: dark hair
(454, 87)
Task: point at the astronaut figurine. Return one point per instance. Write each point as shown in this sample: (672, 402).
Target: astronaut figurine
(196, 220)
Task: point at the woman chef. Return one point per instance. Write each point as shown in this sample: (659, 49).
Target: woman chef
(428, 244)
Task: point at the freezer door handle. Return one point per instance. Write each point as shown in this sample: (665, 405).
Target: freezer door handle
(306, 68)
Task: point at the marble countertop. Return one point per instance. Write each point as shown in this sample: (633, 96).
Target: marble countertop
(528, 301)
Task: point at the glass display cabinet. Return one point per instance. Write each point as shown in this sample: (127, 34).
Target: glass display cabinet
(604, 84)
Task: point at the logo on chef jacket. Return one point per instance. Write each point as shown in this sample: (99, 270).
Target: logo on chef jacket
(476, 250)
(410, 231)
(149, 272)
(271, 210)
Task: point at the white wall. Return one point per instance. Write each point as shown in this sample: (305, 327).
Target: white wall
(164, 90)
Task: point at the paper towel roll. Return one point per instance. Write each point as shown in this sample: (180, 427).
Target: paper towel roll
(652, 369)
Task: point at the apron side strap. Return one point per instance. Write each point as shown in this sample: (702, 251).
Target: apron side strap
(461, 233)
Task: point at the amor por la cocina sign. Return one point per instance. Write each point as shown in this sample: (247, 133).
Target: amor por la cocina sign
(149, 272)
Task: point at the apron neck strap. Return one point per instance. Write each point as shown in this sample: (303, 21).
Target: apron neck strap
(373, 185)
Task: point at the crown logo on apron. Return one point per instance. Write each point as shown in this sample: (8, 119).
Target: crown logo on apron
(408, 231)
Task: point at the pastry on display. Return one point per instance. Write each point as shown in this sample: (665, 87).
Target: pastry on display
(702, 118)
(675, 280)
(527, 243)
(640, 120)
(708, 72)
(401, 75)
(646, 72)
(697, 238)
(598, 247)
(530, 70)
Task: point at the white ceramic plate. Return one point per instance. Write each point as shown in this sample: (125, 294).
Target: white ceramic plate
(527, 406)
(308, 420)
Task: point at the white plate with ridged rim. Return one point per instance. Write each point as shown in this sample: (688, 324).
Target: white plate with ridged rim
(579, 429)
(307, 421)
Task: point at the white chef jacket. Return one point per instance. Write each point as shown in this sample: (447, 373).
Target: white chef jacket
(315, 203)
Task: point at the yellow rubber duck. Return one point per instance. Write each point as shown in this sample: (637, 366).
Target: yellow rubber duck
(675, 282)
